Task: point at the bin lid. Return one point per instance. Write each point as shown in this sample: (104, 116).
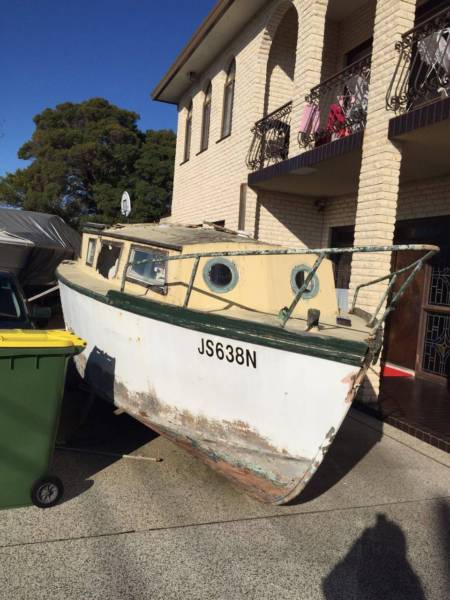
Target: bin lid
(26, 338)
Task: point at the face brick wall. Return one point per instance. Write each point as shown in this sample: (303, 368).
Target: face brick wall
(207, 187)
(281, 63)
(338, 212)
(355, 29)
(288, 220)
(417, 200)
(342, 36)
(425, 198)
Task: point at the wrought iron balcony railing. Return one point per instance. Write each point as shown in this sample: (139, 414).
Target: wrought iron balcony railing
(270, 142)
(337, 107)
(423, 68)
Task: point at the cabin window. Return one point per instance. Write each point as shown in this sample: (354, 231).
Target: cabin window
(220, 275)
(108, 259)
(298, 278)
(90, 254)
(11, 305)
(142, 270)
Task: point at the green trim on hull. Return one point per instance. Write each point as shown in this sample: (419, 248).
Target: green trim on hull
(349, 352)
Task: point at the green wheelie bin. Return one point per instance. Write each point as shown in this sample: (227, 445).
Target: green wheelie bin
(32, 373)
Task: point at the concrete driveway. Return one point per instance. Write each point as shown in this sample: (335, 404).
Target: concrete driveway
(374, 523)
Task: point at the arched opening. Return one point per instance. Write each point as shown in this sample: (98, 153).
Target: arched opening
(271, 134)
(281, 62)
(337, 107)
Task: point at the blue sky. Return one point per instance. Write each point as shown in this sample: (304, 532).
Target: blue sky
(54, 51)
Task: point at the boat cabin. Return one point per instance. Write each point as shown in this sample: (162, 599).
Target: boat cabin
(120, 258)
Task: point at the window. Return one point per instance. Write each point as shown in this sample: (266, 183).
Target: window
(298, 278)
(358, 52)
(142, 270)
(220, 275)
(188, 134)
(108, 259)
(90, 254)
(342, 237)
(428, 9)
(11, 305)
(228, 99)
(206, 118)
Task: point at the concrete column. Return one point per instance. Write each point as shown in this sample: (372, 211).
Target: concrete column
(380, 167)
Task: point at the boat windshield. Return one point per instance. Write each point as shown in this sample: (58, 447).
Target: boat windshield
(12, 308)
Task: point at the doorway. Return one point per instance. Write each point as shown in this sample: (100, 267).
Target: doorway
(342, 237)
(418, 332)
(415, 391)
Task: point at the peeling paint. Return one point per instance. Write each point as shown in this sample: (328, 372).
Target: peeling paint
(232, 448)
(260, 441)
(354, 381)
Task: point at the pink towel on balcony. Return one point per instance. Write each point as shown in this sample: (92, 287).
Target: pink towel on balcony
(309, 122)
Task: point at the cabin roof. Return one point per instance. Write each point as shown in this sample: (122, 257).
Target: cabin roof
(173, 237)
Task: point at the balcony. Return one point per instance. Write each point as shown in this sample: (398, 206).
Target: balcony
(270, 143)
(423, 69)
(331, 131)
(337, 107)
(419, 94)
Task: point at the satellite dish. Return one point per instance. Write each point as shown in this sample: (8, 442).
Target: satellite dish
(125, 204)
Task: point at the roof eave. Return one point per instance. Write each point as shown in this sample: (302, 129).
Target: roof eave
(203, 30)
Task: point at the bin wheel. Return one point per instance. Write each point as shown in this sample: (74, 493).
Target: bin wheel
(47, 491)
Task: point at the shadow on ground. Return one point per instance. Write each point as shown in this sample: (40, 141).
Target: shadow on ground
(376, 567)
(91, 437)
(348, 449)
(444, 533)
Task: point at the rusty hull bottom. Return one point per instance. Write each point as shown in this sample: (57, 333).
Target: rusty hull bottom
(233, 449)
(251, 480)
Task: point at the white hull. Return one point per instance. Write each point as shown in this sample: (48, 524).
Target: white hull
(262, 416)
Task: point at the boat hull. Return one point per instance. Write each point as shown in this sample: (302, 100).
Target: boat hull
(262, 416)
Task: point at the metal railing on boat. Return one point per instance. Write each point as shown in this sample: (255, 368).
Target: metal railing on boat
(286, 312)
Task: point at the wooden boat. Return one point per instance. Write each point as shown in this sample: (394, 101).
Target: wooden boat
(184, 332)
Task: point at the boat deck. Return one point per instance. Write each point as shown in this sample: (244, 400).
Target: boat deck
(358, 331)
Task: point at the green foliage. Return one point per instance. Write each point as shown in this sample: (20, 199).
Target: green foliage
(84, 156)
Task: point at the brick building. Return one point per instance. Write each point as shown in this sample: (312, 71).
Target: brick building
(326, 123)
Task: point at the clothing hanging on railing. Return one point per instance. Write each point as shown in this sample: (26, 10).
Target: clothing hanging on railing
(358, 88)
(343, 110)
(434, 50)
(310, 120)
(336, 120)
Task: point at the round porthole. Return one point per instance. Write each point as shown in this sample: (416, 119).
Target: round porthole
(220, 275)
(298, 278)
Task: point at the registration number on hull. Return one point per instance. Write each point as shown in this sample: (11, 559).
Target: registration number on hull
(227, 352)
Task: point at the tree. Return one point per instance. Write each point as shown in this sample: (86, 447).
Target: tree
(154, 174)
(84, 156)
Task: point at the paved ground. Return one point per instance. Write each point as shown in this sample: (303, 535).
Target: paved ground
(374, 524)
